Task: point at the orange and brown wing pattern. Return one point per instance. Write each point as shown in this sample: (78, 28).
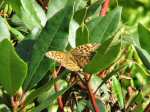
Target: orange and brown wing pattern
(84, 53)
(84, 50)
(65, 59)
(75, 59)
(82, 60)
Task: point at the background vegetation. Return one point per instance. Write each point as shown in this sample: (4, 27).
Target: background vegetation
(118, 75)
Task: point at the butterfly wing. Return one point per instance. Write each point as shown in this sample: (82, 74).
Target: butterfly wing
(65, 59)
(84, 53)
(82, 60)
(84, 50)
(75, 59)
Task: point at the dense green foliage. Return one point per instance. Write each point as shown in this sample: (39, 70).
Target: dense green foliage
(119, 70)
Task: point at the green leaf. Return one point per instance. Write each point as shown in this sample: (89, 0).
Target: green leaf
(43, 42)
(45, 88)
(81, 105)
(138, 108)
(131, 99)
(18, 35)
(111, 74)
(49, 100)
(16, 5)
(29, 12)
(145, 56)
(144, 37)
(82, 35)
(37, 92)
(139, 75)
(146, 90)
(13, 70)
(54, 6)
(105, 56)
(144, 50)
(102, 28)
(4, 32)
(73, 26)
(4, 108)
(94, 9)
(62, 84)
(118, 91)
(59, 42)
(95, 82)
(24, 49)
(79, 4)
(81, 15)
(101, 105)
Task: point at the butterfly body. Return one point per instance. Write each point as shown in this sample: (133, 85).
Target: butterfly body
(75, 59)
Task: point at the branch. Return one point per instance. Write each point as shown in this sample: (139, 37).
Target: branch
(57, 87)
(105, 8)
(91, 95)
(147, 109)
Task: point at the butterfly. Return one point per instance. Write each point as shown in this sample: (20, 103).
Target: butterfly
(76, 58)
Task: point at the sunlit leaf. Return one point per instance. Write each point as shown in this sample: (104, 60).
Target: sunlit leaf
(4, 32)
(102, 28)
(45, 39)
(29, 12)
(105, 56)
(144, 37)
(12, 69)
(118, 91)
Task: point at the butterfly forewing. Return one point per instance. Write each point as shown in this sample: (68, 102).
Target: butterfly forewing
(65, 59)
(56, 55)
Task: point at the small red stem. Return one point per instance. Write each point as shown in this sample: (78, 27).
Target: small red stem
(15, 103)
(43, 4)
(147, 109)
(93, 99)
(91, 95)
(57, 88)
(59, 99)
(105, 8)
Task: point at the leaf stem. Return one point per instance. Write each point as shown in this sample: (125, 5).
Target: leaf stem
(43, 4)
(105, 8)
(91, 95)
(14, 103)
(147, 109)
(57, 88)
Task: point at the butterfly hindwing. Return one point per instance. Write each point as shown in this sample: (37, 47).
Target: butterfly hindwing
(84, 50)
(84, 53)
(82, 60)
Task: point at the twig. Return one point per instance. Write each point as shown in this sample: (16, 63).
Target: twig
(105, 8)
(57, 87)
(14, 103)
(43, 4)
(18, 100)
(81, 79)
(91, 95)
(23, 102)
(147, 109)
